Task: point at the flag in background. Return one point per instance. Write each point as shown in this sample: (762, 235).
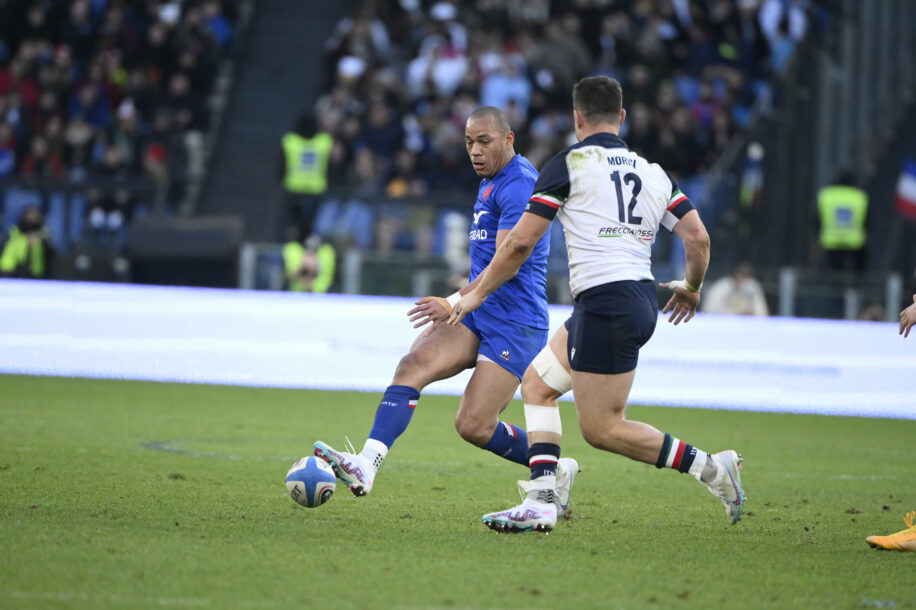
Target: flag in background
(906, 190)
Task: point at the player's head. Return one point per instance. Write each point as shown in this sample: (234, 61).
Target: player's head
(597, 103)
(489, 140)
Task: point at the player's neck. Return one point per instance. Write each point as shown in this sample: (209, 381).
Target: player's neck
(508, 160)
(590, 130)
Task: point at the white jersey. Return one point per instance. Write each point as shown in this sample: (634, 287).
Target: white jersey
(611, 203)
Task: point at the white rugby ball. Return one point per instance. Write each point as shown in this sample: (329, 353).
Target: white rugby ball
(311, 481)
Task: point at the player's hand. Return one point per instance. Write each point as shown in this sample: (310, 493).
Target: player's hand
(430, 309)
(683, 303)
(466, 305)
(908, 319)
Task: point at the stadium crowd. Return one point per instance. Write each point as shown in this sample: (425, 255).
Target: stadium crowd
(403, 77)
(97, 96)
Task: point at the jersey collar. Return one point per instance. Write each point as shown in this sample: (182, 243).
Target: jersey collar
(605, 140)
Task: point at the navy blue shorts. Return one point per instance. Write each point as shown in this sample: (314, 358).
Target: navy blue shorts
(511, 346)
(609, 324)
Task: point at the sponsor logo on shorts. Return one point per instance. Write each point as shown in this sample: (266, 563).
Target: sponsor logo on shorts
(505, 355)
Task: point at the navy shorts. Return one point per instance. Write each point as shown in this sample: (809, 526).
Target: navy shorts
(510, 345)
(609, 324)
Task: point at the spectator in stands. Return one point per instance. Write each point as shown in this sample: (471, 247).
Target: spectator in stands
(739, 293)
(414, 225)
(508, 88)
(304, 172)
(310, 265)
(27, 252)
(108, 215)
(41, 161)
(842, 213)
(7, 150)
(872, 312)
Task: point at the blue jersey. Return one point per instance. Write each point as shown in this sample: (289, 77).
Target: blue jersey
(501, 200)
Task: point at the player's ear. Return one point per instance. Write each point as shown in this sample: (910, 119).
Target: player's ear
(510, 137)
(623, 116)
(578, 119)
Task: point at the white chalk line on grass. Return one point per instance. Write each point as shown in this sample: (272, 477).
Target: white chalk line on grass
(72, 596)
(175, 447)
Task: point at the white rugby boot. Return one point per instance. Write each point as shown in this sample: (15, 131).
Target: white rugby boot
(567, 469)
(537, 513)
(727, 484)
(351, 468)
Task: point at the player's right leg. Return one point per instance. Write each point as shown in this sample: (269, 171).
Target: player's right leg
(443, 353)
(545, 380)
(600, 403)
(608, 327)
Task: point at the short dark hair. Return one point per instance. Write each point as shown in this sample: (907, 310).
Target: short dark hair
(599, 99)
(502, 121)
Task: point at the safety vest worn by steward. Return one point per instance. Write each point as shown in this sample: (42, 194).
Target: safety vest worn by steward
(293, 253)
(306, 163)
(20, 258)
(842, 211)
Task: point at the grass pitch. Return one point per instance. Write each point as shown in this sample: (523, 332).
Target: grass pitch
(142, 495)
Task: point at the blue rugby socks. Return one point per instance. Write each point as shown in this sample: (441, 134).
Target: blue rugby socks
(391, 420)
(510, 442)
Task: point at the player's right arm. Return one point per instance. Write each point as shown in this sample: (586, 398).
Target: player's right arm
(438, 309)
(683, 303)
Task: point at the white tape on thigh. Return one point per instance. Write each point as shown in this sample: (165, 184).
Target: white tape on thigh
(551, 371)
(543, 419)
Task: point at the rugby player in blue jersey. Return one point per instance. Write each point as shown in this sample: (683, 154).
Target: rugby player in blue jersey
(498, 340)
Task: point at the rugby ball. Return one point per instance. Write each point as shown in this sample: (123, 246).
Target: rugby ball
(311, 481)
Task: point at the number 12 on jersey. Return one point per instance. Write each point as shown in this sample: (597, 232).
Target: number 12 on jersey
(625, 212)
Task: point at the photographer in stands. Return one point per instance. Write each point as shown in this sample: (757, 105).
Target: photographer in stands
(27, 252)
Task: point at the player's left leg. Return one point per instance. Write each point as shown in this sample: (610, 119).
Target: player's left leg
(488, 393)
(546, 379)
(505, 351)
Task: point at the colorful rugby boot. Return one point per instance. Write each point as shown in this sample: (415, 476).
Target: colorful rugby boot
(351, 468)
(904, 540)
(567, 469)
(727, 484)
(537, 513)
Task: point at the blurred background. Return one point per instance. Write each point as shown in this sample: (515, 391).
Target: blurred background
(318, 146)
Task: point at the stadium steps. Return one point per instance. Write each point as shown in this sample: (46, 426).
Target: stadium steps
(278, 76)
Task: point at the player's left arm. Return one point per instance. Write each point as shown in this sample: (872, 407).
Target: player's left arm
(683, 303)
(512, 250)
(908, 319)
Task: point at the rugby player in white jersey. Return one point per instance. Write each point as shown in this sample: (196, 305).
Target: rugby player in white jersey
(611, 203)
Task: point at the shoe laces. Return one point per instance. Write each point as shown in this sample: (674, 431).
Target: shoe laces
(544, 496)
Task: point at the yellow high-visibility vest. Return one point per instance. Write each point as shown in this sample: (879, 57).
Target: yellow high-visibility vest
(306, 162)
(842, 211)
(326, 255)
(18, 255)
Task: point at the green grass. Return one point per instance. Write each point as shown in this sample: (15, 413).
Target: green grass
(117, 494)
